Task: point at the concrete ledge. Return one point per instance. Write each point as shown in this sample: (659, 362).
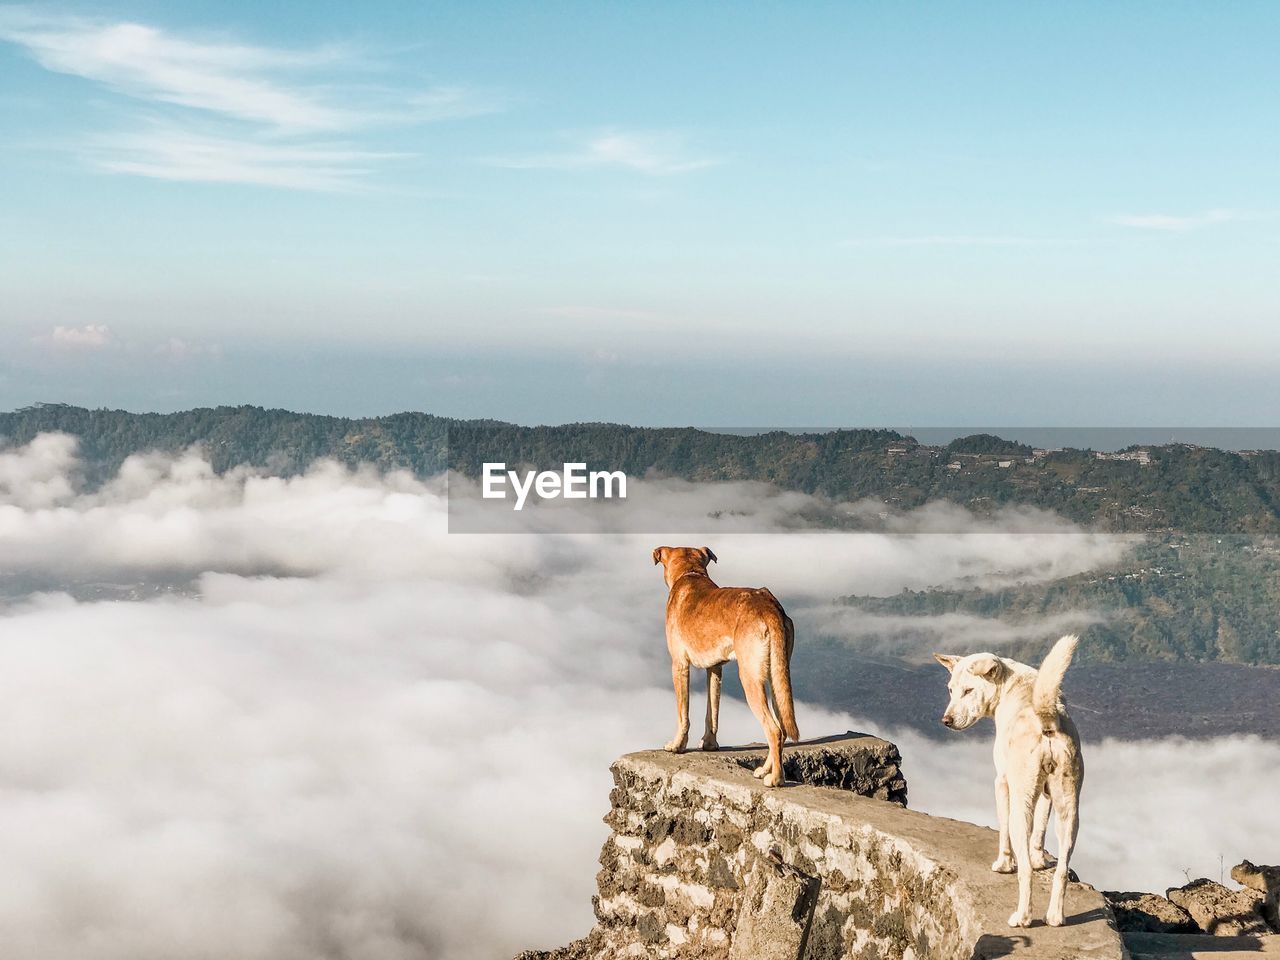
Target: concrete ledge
(701, 850)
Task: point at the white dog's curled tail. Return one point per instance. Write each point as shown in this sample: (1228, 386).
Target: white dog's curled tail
(1048, 685)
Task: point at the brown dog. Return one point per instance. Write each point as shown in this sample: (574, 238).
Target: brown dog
(709, 625)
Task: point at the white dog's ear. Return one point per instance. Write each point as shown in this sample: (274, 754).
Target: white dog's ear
(658, 554)
(988, 667)
(947, 660)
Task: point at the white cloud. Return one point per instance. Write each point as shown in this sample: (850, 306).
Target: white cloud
(163, 513)
(648, 153)
(452, 103)
(361, 736)
(948, 240)
(174, 154)
(179, 350)
(596, 313)
(230, 80)
(234, 112)
(42, 474)
(91, 336)
(957, 632)
(1172, 223)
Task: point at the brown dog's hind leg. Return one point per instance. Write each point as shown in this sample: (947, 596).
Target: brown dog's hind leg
(709, 741)
(758, 699)
(680, 680)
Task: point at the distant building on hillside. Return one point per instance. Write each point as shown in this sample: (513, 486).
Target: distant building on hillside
(1136, 456)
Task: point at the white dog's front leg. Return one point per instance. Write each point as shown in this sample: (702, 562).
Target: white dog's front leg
(1004, 856)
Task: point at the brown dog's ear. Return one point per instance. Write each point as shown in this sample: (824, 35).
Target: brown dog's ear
(947, 660)
(657, 554)
(989, 667)
(708, 556)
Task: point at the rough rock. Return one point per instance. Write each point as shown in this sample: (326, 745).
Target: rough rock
(1266, 880)
(577, 950)
(776, 911)
(1221, 911)
(868, 766)
(1148, 913)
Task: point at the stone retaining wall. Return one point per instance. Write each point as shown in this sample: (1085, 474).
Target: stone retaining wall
(704, 862)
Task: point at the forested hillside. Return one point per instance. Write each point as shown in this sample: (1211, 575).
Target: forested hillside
(1175, 487)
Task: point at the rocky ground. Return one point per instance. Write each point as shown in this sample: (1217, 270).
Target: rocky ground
(1204, 917)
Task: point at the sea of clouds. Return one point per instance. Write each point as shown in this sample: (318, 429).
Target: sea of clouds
(351, 734)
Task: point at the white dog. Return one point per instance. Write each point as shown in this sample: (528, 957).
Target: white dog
(1038, 762)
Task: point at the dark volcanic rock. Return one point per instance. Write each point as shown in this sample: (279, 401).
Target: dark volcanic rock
(867, 767)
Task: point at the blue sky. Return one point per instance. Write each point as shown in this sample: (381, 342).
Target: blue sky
(724, 214)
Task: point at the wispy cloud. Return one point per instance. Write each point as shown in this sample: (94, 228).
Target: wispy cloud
(98, 338)
(146, 63)
(948, 240)
(655, 154)
(175, 154)
(179, 350)
(234, 112)
(452, 103)
(1174, 223)
(595, 313)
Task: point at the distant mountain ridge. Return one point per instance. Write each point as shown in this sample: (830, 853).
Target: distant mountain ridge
(1148, 488)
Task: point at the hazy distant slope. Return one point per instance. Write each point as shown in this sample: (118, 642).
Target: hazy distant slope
(1197, 598)
(1178, 487)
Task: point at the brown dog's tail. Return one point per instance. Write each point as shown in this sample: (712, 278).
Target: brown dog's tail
(1048, 685)
(782, 637)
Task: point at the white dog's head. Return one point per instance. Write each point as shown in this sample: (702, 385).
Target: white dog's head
(974, 687)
